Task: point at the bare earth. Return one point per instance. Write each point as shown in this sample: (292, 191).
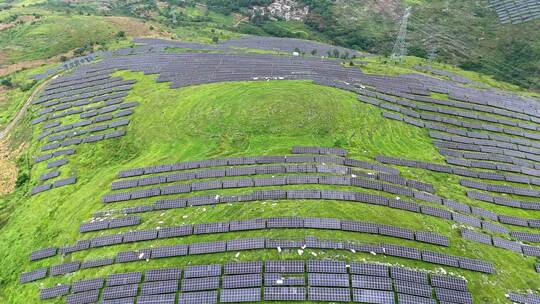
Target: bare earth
(137, 28)
(8, 167)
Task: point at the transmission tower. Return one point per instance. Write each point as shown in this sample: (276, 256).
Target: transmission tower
(400, 47)
(174, 17)
(433, 53)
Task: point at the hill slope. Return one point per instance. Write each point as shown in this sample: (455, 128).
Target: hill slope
(280, 107)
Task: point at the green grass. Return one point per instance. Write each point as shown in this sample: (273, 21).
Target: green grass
(16, 95)
(201, 33)
(52, 35)
(385, 65)
(228, 119)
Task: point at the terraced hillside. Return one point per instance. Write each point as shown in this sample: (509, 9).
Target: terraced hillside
(177, 172)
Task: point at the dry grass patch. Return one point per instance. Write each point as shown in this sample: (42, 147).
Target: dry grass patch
(8, 166)
(137, 28)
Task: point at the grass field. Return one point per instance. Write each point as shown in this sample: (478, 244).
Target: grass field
(15, 96)
(53, 35)
(228, 119)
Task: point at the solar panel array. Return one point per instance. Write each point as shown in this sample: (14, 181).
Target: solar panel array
(477, 185)
(98, 103)
(476, 128)
(248, 224)
(280, 244)
(515, 12)
(502, 242)
(285, 280)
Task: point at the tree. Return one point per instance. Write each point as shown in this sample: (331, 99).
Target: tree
(121, 34)
(335, 53)
(314, 52)
(215, 39)
(6, 82)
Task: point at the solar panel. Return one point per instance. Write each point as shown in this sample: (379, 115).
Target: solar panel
(292, 266)
(122, 291)
(240, 295)
(440, 258)
(86, 285)
(413, 288)
(53, 292)
(360, 227)
(43, 253)
(453, 296)
(369, 269)
(432, 238)
(162, 274)
(210, 247)
(124, 278)
(373, 296)
(243, 267)
(398, 273)
(202, 271)
(285, 222)
(284, 294)
(328, 279)
(411, 299)
(371, 282)
(322, 223)
(277, 279)
(476, 265)
(93, 226)
(401, 251)
(211, 228)
(507, 244)
(396, 232)
(177, 231)
(96, 263)
(135, 255)
(169, 251)
(159, 287)
(65, 268)
(141, 235)
(199, 284)
(106, 240)
(85, 297)
(128, 300)
(242, 281)
(329, 294)
(157, 299)
(203, 297)
(476, 236)
(245, 244)
(449, 282)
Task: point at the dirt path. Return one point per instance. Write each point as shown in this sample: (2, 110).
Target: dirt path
(20, 113)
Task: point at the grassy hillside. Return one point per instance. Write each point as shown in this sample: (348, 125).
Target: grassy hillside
(52, 35)
(226, 119)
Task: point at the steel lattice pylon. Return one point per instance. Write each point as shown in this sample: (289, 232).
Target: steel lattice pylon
(400, 47)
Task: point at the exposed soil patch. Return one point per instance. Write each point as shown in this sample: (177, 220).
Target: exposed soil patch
(8, 69)
(24, 19)
(5, 26)
(137, 28)
(8, 167)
